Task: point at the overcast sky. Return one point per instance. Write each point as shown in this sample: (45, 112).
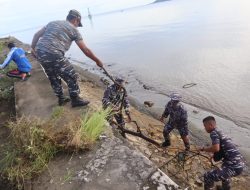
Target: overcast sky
(95, 6)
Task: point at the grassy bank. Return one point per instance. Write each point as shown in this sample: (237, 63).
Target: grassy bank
(33, 142)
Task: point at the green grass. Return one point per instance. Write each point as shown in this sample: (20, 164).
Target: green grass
(29, 153)
(57, 112)
(32, 145)
(1, 46)
(68, 176)
(6, 83)
(94, 125)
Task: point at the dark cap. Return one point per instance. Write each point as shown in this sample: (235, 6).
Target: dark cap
(75, 14)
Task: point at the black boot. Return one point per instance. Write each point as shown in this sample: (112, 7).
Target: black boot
(219, 187)
(166, 143)
(62, 100)
(77, 101)
(226, 184)
(208, 187)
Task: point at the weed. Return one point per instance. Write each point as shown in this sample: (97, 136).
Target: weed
(30, 152)
(88, 130)
(57, 112)
(1, 46)
(67, 177)
(32, 145)
(94, 125)
(6, 83)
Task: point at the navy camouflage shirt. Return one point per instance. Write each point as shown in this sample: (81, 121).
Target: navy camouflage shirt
(177, 116)
(58, 37)
(113, 97)
(232, 156)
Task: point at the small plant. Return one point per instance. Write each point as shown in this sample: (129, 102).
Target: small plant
(1, 46)
(88, 130)
(6, 84)
(94, 125)
(57, 112)
(68, 176)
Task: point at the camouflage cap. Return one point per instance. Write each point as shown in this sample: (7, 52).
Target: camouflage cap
(175, 96)
(76, 14)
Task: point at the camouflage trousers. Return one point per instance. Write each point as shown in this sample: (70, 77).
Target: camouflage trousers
(57, 67)
(183, 130)
(223, 174)
(118, 117)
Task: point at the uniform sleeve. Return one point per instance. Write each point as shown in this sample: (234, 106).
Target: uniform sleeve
(215, 138)
(78, 36)
(106, 98)
(126, 103)
(8, 59)
(166, 113)
(184, 117)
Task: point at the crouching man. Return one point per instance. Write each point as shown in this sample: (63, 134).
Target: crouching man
(23, 64)
(223, 149)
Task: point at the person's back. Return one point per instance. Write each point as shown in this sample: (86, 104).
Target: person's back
(232, 157)
(23, 64)
(58, 37)
(21, 60)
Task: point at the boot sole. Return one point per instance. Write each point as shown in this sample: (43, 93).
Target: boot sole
(80, 105)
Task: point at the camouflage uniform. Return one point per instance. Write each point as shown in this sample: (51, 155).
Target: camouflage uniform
(113, 98)
(233, 163)
(51, 48)
(177, 119)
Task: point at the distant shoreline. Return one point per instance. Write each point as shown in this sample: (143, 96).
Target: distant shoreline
(159, 1)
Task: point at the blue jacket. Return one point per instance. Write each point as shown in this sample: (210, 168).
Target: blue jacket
(18, 56)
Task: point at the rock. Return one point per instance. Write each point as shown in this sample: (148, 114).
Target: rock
(195, 111)
(146, 87)
(148, 103)
(147, 152)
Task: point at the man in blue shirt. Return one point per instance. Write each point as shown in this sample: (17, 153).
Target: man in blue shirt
(18, 56)
(232, 160)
